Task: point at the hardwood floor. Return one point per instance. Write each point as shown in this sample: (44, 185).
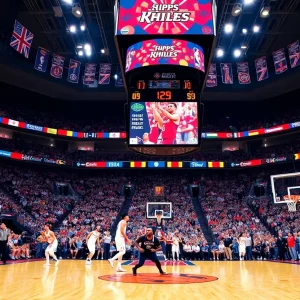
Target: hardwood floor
(74, 280)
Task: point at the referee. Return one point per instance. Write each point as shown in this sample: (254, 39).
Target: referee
(4, 239)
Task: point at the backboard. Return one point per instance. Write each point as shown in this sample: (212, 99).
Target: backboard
(159, 208)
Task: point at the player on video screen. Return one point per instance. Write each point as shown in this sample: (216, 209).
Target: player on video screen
(154, 131)
(168, 121)
(146, 140)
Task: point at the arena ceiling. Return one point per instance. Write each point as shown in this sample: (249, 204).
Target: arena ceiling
(278, 30)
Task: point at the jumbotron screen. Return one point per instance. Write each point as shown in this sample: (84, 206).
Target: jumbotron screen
(163, 123)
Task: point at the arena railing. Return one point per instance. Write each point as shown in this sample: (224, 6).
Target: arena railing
(149, 164)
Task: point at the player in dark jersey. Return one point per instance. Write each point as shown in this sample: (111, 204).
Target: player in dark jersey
(168, 122)
(148, 245)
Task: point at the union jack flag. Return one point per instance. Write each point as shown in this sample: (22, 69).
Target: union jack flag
(21, 39)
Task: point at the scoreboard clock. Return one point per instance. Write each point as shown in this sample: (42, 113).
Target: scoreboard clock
(164, 52)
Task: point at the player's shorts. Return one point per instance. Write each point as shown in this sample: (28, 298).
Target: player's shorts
(120, 244)
(242, 249)
(91, 247)
(52, 247)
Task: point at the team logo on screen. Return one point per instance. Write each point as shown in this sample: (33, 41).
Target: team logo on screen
(137, 107)
(164, 13)
(163, 51)
(156, 75)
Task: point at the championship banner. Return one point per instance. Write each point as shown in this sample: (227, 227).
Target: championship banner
(89, 74)
(104, 73)
(243, 73)
(212, 80)
(261, 68)
(57, 67)
(119, 81)
(164, 52)
(294, 54)
(280, 61)
(226, 71)
(171, 17)
(74, 71)
(41, 60)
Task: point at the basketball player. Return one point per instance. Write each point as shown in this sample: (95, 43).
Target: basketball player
(242, 246)
(169, 123)
(121, 239)
(175, 246)
(146, 140)
(148, 245)
(49, 237)
(91, 240)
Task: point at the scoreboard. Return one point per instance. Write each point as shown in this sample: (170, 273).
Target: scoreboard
(163, 90)
(164, 52)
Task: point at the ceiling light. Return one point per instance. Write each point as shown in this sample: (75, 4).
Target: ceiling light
(77, 11)
(247, 2)
(80, 53)
(244, 46)
(79, 47)
(82, 27)
(116, 76)
(228, 28)
(220, 52)
(265, 12)
(73, 29)
(69, 1)
(102, 51)
(245, 30)
(87, 47)
(88, 53)
(237, 9)
(256, 28)
(237, 53)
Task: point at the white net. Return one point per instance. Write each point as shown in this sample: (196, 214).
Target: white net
(292, 205)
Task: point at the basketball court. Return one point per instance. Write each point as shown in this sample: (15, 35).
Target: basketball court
(72, 279)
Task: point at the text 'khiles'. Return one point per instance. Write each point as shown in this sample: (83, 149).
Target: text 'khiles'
(164, 13)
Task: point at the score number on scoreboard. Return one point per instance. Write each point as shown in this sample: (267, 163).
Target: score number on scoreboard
(164, 90)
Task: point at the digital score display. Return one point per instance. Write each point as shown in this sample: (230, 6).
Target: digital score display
(164, 84)
(164, 90)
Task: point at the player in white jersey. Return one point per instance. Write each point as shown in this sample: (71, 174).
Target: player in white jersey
(242, 246)
(91, 240)
(48, 236)
(121, 239)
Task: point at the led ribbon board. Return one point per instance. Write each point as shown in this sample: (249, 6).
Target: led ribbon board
(165, 52)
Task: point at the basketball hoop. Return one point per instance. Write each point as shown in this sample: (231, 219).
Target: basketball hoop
(292, 205)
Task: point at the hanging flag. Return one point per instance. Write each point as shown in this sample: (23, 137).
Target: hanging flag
(294, 54)
(261, 68)
(243, 73)
(57, 67)
(280, 61)
(89, 74)
(74, 71)
(104, 73)
(21, 39)
(119, 81)
(41, 60)
(211, 80)
(226, 71)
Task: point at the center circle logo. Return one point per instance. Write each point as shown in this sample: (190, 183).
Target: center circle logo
(154, 278)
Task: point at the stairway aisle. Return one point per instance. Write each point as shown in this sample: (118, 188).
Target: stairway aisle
(203, 221)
